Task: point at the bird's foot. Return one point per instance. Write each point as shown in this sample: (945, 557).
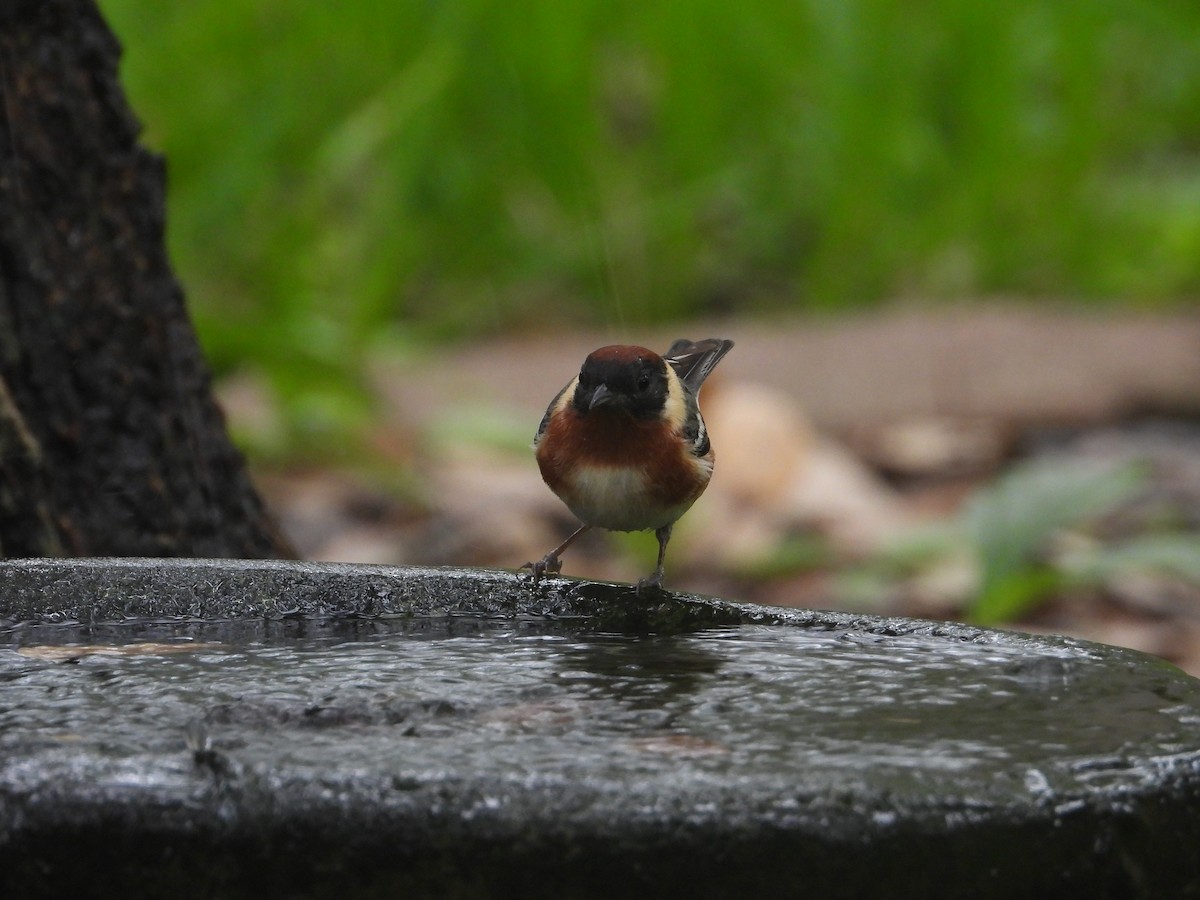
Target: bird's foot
(549, 564)
(650, 584)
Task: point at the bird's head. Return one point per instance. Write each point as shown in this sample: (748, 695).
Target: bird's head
(623, 378)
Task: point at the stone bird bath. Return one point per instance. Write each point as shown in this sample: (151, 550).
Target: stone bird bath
(201, 728)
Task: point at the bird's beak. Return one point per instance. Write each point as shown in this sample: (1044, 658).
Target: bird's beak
(602, 396)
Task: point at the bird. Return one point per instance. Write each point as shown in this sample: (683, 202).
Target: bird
(624, 446)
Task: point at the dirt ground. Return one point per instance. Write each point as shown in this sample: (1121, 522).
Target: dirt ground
(837, 440)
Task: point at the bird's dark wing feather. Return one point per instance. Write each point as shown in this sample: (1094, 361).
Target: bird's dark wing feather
(694, 430)
(693, 361)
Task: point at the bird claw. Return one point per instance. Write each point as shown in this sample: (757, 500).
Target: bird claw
(649, 583)
(547, 565)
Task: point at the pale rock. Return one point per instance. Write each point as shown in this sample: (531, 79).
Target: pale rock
(842, 498)
(775, 477)
(760, 438)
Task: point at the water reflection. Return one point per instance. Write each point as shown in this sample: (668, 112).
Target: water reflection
(650, 672)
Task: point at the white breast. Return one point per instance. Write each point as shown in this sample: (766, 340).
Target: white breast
(617, 499)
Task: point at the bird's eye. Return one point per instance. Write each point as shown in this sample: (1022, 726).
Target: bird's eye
(643, 381)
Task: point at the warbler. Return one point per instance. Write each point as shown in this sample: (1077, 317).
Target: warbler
(624, 445)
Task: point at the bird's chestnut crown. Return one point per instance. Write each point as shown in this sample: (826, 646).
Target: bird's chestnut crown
(630, 379)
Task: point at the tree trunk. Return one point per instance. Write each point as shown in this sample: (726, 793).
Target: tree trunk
(110, 441)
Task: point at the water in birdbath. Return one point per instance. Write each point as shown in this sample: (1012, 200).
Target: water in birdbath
(517, 699)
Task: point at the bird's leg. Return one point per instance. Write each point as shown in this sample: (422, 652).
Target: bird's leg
(655, 580)
(550, 564)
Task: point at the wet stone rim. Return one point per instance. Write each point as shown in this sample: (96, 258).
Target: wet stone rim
(93, 591)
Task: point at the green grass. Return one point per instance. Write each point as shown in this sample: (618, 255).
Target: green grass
(341, 172)
(1012, 524)
(1037, 533)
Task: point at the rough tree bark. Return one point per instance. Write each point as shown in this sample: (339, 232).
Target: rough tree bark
(110, 441)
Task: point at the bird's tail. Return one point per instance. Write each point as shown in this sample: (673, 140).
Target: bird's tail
(693, 361)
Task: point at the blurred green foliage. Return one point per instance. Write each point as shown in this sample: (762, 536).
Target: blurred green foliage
(1032, 535)
(439, 168)
(1012, 524)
